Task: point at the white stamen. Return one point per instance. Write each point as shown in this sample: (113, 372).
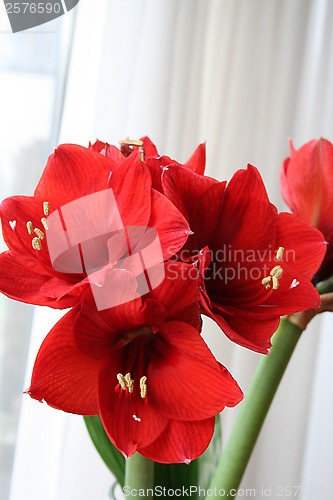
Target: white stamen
(12, 224)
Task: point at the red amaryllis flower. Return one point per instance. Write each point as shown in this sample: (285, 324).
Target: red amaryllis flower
(257, 264)
(72, 188)
(307, 188)
(150, 156)
(142, 366)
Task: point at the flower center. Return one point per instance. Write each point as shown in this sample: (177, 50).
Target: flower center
(275, 273)
(126, 382)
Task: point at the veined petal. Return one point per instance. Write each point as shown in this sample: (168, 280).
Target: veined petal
(149, 147)
(248, 217)
(180, 442)
(172, 228)
(129, 420)
(131, 187)
(197, 161)
(304, 245)
(185, 188)
(185, 381)
(72, 172)
(20, 281)
(307, 180)
(246, 328)
(295, 293)
(63, 376)
(180, 293)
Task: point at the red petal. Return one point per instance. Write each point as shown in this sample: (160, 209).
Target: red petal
(181, 442)
(131, 187)
(111, 152)
(197, 162)
(129, 420)
(304, 245)
(307, 183)
(246, 328)
(180, 293)
(149, 147)
(184, 380)
(72, 172)
(184, 187)
(156, 166)
(248, 218)
(19, 281)
(294, 294)
(171, 227)
(63, 376)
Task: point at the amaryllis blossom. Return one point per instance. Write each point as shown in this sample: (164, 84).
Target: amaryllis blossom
(257, 264)
(307, 188)
(73, 173)
(148, 153)
(143, 367)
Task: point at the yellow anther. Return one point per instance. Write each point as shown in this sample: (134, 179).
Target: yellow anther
(267, 282)
(30, 227)
(39, 233)
(279, 253)
(143, 386)
(275, 283)
(122, 381)
(129, 382)
(36, 244)
(46, 207)
(274, 276)
(45, 224)
(276, 271)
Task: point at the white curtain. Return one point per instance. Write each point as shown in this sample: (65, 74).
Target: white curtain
(244, 76)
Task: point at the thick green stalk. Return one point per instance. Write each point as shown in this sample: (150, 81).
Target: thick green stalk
(139, 474)
(254, 409)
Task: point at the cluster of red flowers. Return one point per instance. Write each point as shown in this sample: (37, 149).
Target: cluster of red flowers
(225, 252)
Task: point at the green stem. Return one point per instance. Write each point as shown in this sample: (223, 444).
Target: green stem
(139, 474)
(254, 409)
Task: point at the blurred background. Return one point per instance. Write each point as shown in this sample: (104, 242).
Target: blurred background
(241, 75)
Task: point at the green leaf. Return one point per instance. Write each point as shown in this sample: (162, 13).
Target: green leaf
(198, 473)
(109, 453)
